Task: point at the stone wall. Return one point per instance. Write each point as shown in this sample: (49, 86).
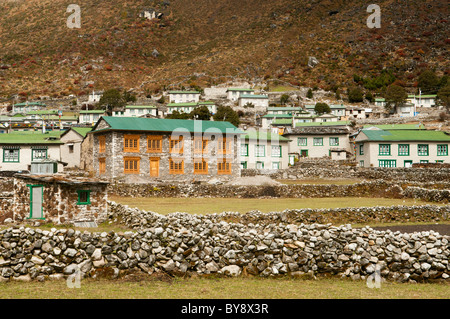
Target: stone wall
(377, 188)
(307, 170)
(183, 244)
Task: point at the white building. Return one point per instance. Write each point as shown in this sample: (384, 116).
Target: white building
(71, 147)
(189, 107)
(264, 150)
(184, 96)
(392, 147)
(422, 100)
(95, 97)
(260, 102)
(138, 110)
(318, 141)
(90, 117)
(20, 149)
(233, 94)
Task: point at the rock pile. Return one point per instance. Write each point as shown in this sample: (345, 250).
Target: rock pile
(181, 243)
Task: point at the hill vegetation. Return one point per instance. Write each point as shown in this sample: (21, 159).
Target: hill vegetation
(202, 43)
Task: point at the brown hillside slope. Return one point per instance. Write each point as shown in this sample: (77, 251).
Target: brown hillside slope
(203, 42)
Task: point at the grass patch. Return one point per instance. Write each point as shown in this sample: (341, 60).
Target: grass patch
(243, 205)
(222, 288)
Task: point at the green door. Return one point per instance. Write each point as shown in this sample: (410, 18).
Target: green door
(36, 199)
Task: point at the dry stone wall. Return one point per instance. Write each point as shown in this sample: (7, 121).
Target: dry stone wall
(180, 244)
(377, 188)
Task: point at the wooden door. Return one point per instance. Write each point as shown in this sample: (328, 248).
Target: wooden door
(154, 167)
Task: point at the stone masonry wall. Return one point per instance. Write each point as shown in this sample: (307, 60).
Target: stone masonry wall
(183, 244)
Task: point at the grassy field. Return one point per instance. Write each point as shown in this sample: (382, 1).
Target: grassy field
(221, 288)
(243, 205)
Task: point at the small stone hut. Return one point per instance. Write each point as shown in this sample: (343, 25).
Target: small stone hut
(59, 199)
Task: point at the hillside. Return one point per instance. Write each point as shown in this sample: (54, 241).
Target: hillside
(205, 42)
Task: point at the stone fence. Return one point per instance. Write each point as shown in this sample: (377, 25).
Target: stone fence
(336, 170)
(183, 244)
(377, 188)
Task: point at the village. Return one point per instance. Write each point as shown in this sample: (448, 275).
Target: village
(87, 168)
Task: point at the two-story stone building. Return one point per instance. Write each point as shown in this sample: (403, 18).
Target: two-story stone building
(147, 149)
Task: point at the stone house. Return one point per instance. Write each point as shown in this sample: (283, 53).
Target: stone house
(26, 107)
(147, 149)
(264, 150)
(400, 147)
(317, 141)
(58, 199)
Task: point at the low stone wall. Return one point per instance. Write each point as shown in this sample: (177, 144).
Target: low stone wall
(364, 189)
(180, 244)
(411, 174)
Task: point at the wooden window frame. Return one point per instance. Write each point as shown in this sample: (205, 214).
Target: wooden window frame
(126, 165)
(200, 167)
(102, 165)
(176, 166)
(176, 145)
(102, 144)
(224, 167)
(302, 141)
(126, 141)
(203, 143)
(154, 143)
(224, 146)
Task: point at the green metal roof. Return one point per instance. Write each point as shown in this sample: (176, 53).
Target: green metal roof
(336, 123)
(422, 96)
(141, 107)
(285, 108)
(30, 137)
(337, 106)
(397, 126)
(288, 115)
(30, 104)
(166, 125)
(43, 112)
(82, 130)
(184, 92)
(263, 136)
(253, 96)
(190, 104)
(406, 135)
(240, 89)
(282, 122)
(92, 112)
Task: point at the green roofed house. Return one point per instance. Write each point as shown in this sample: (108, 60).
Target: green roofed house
(259, 101)
(22, 148)
(183, 96)
(400, 146)
(422, 100)
(264, 150)
(134, 149)
(90, 117)
(233, 94)
(141, 110)
(189, 107)
(26, 107)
